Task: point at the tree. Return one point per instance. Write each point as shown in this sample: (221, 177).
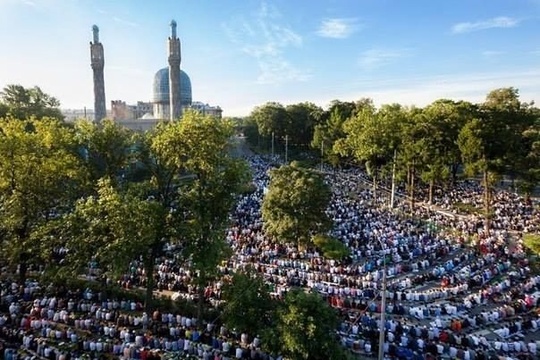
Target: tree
(112, 228)
(208, 193)
(302, 118)
(106, 148)
(248, 306)
(489, 141)
(294, 207)
(331, 247)
(528, 166)
(23, 103)
(272, 120)
(330, 127)
(372, 138)
(307, 327)
(39, 180)
(413, 154)
(443, 120)
(532, 241)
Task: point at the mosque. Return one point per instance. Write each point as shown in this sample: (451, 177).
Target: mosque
(172, 92)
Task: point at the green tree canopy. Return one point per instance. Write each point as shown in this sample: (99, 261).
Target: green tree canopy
(248, 305)
(106, 148)
(271, 118)
(40, 176)
(302, 118)
(208, 193)
(295, 206)
(307, 327)
(23, 103)
(489, 140)
(112, 228)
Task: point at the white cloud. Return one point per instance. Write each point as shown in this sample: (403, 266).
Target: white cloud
(496, 22)
(338, 28)
(265, 38)
(419, 91)
(472, 87)
(29, 3)
(279, 67)
(125, 22)
(374, 58)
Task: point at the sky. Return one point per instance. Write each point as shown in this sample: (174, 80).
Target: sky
(243, 53)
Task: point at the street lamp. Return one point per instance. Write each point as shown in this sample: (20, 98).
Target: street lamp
(383, 306)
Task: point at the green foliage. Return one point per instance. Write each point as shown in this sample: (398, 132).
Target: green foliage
(39, 178)
(207, 198)
(106, 148)
(307, 327)
(111, 228)
(372, 136)
(23, 103)
(331, 248)
(294, 207)
(302, 118)
(271, 117)
(248, 305)
(532, 241)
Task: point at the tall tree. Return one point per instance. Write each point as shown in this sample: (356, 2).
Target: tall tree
(294, 209)
(414, 155)
(487, 141)
(528, 167)
(208, 193)
(372, 138)
(248, 305)
(272, 120)
(330, 127)
(443, 121)
(23, 103)
(302, 118)
(39, 178)
(106, 148)
(307, 327)
(111, 228)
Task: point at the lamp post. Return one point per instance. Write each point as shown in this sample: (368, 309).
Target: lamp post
(383, 307)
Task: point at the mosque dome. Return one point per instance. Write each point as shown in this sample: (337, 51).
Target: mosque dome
(161, 87)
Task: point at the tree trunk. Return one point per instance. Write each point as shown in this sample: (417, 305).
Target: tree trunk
(149, 291)
(487, 202)
(200, 290)
(454, 168)
(23, 256)
(431, 185)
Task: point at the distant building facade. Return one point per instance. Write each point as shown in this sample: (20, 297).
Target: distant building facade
(206, 109)
(122, 111)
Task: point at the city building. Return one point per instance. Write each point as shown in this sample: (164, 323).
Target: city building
(206, 109)
(122, 111)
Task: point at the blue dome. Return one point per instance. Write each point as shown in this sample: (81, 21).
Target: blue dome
(161, 87)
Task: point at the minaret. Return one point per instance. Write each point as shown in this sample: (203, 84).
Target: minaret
(97, 63)
(174, 74)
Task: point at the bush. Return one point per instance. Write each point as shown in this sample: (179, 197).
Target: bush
(330, 247)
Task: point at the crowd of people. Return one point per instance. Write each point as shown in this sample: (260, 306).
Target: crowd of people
(452, 289)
